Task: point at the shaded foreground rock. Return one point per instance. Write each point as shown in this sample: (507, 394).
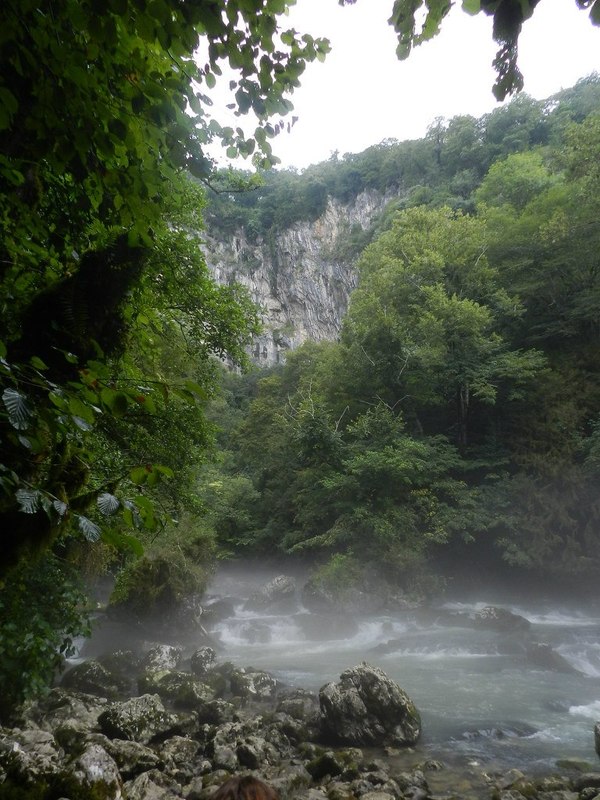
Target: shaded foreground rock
(366, 707)
(96, 749)
(140, 719)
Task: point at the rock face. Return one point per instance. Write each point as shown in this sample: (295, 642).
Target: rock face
(367, 708)
(296, 277)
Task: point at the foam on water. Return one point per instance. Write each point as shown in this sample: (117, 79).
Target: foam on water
(590, 711)
(460, 677)
(583, 656)
(440, 653)
(250, 631)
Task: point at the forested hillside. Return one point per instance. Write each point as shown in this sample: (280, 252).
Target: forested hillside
(457, 413)
(456, 420)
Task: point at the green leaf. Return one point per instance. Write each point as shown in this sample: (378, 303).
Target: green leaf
(58, 400)
(122, 541)
(81, 410)
(139, 475)
(471, 6)
(117, 402)
(196, 389)
(38, 363)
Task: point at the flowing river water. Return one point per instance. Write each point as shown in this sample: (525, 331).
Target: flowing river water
(481, 702)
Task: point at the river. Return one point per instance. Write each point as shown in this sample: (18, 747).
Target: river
(480, 703)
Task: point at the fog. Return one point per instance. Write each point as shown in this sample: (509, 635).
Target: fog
(523, 696)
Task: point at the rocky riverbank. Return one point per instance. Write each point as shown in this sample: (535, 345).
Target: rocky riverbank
(157, 726)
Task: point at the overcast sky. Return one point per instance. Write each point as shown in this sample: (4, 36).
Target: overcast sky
(362, 94)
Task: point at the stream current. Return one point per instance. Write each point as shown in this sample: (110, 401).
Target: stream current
(480, 703)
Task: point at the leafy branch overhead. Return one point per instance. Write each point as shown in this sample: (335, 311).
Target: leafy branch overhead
(105, 117)
(418, 21)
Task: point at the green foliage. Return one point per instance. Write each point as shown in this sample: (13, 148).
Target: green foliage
(461, 403)
(443, 168)
(150, 587)
(41, 612)
(110, 319)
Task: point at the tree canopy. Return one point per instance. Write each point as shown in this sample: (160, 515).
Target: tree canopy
(110, 319)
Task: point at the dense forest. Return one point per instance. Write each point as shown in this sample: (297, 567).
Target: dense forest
(456, 419)
(458, 413)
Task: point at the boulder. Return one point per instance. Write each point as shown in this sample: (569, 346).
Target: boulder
(123, 665)
(368, 708)
(180, 688)
(140, 719)
(218, 610)
(597, 737)
(502, 620)
(326, 763)
(93, 677)
(162, 658)
(97, 774)
(278, 594)
(188, 616)
(30, 756)
(132, 758)
(203, 660)
(253, 684)
(153, 785)
(587, 780)
(244, 744)
(179, 755)
(502, 730)
(544, 656)
(66, 711)
(215, 712)
(299, 704)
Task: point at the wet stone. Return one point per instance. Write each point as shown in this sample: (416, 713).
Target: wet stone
(162, 658)
(203, 660)
(30, 755)
(98, 774)
(153, 785)
(140, 719)
(132, 758)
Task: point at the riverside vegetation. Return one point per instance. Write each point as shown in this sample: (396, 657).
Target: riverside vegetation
(457, 417)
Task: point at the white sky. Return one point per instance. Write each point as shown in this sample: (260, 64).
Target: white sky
(362, 94)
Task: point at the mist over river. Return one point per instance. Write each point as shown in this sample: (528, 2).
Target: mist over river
(480, 698)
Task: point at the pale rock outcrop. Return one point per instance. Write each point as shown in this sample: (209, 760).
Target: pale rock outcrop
(368, 708)
(296, 278)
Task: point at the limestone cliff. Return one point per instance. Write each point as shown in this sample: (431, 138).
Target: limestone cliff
(295, 276)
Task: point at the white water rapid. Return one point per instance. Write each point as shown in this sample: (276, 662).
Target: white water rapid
(480, 697)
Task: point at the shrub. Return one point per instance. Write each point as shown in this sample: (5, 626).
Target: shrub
(42, 610)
